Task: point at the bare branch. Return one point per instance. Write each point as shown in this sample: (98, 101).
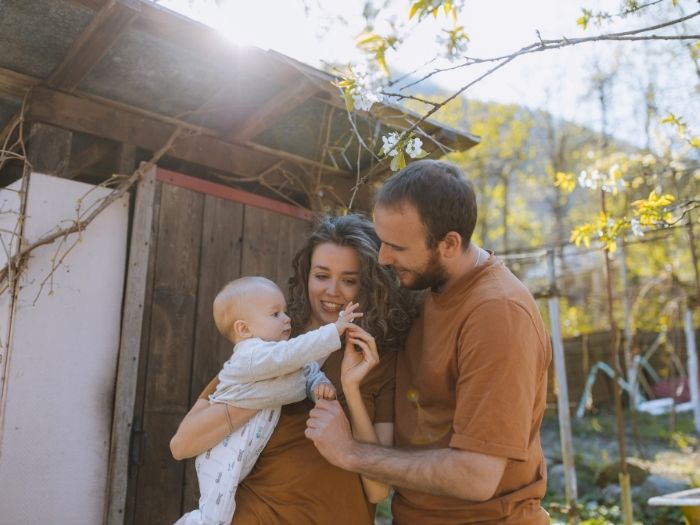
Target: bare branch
(544, 45)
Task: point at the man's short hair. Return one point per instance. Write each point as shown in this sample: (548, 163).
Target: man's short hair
(444, 198)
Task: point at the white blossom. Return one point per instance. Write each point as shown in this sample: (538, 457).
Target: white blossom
(368, 87)
(414, 147)
(389, 144)
(636, 228)
(608, 182)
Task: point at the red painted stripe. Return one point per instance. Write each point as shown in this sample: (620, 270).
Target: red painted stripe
(232, 194)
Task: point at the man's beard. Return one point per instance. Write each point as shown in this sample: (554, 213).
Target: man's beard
(433, 276)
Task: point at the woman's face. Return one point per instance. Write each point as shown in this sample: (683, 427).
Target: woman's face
(334, 281)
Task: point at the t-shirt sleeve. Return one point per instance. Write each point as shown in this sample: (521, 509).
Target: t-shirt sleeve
(499, 358)
(386, 383)
(209, 389)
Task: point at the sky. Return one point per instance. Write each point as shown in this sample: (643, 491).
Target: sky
(324, 31)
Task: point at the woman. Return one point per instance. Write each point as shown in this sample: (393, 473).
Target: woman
(291, 482)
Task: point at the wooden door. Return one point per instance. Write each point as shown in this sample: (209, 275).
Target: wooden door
(202, 240)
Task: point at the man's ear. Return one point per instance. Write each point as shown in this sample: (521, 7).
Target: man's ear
(241, 329)
(451, 245)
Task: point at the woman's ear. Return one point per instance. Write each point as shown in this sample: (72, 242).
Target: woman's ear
(451, 245)
(241, 330)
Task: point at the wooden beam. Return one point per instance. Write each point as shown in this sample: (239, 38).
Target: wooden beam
(130, 112)
(288, 99)
(103, 30)
(15, 85)
(232, 194)
(88, 116)
(130, 348)
(48, 149)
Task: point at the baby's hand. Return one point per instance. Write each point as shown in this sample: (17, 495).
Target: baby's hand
(346, 317)
(324, 391)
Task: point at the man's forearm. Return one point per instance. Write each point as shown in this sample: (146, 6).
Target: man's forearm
(444, 472)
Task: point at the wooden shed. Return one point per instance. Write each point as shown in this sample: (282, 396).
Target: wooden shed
(259, 144)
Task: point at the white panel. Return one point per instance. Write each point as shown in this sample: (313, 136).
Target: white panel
(9, 240)
(54, 445)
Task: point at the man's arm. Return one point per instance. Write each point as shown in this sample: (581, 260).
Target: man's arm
(446, 472)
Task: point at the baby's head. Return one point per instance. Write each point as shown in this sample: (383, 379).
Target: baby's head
(252, 307)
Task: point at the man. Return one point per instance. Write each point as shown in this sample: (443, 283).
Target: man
(471, 383)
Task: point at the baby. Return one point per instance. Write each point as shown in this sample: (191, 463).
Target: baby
(265, 371)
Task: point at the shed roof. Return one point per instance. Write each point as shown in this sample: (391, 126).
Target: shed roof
(132, 71)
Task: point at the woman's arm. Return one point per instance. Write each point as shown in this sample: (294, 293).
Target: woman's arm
(205, 425)
(354, 368)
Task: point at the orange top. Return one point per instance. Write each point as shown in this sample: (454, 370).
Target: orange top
(291, 482)
(473, 376)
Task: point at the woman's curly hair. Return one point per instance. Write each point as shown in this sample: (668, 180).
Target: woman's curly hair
(388, 309)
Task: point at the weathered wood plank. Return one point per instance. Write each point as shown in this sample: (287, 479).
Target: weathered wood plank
(14, 84)
(260, 241)
(136, 450)
(104, 29)
(91, 117)
(222, 227)
(127, 159)
(48, 150)
(130, 347)
(170, 352)
(118, 122)
(293, 234)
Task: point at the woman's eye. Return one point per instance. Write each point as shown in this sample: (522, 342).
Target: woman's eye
(321, 277)
(350, 282)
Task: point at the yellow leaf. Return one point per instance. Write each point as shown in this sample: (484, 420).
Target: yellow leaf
(695, 142)
(670, 119)
(583, 22)
(414, 9)
(382, 63)
(367, 38)
(349, 101)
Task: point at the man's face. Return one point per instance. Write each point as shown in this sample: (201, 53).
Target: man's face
(405, 249)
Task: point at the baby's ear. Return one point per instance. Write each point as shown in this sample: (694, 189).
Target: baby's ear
(241, 329)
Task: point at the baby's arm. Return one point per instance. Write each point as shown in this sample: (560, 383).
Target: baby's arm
(267, 359)
(318, 386)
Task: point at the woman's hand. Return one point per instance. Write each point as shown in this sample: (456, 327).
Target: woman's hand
(360, 357)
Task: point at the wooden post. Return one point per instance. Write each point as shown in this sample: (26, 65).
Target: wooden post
(567, 448)
(129, 348)
(692, 351)
(690, 331)
(624, 477)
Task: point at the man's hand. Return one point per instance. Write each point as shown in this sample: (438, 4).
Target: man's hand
(330, 431)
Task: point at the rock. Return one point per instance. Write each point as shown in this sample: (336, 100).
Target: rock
(610, 473)
(611, 492)
(657, 486)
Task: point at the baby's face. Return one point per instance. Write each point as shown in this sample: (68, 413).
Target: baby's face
(268, 319)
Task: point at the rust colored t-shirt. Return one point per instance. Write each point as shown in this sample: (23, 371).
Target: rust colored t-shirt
(291, 483)
(473, 376)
